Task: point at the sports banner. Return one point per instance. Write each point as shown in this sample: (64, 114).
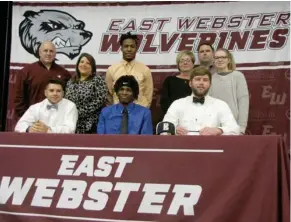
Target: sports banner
(255, 32)
(145, 179)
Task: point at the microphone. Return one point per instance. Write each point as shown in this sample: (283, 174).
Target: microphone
(165, 127)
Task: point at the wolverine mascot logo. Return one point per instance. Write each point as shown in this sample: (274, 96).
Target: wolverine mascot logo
(66, 32)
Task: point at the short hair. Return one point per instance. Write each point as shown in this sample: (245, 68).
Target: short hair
(128, 36)
(57, 82)
(231, 65)
(181, 54)
(129, 81)
(200, 71)
(40, 45)
(92, 63)
(205, 43)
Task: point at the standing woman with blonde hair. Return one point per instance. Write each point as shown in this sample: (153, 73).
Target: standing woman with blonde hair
(177, 87)
(230, 85)
(89, 92)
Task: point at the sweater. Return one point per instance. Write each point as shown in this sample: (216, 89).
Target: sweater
(232, 88)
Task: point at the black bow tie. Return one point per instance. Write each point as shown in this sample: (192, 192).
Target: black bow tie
(199, 100)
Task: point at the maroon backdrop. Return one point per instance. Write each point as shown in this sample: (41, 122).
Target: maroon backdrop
(269, 98)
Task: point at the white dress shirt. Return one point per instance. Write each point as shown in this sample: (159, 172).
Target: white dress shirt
(195, 116)
(60, 120)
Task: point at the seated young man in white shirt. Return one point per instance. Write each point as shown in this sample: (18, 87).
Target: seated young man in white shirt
(54, 114)
(200, 114)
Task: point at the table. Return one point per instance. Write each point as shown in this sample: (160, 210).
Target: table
(51, 177)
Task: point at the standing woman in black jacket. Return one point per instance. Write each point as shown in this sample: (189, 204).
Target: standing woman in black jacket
(177, 86)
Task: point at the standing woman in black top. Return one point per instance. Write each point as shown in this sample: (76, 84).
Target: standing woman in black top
(176, 87)
(89, 92)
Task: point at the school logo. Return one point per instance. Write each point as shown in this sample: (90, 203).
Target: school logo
(166, 126)
(275, 98)
(64, 30)
(268, 130)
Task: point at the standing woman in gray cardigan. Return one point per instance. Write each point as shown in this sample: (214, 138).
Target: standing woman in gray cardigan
(230, 86)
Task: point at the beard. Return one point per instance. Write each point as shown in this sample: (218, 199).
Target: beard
(199, 94)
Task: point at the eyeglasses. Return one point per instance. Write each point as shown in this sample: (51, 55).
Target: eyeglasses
(186, 60)
(220, 57)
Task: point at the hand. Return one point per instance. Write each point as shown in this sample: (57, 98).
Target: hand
(181, 131)
(210, 131)
(38, 127)
(43, 128)
(34, 128)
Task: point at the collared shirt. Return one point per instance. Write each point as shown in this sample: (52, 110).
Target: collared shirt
(60, 120)
(195, 116)
(31, 82)
(142, 74)
(139, 119)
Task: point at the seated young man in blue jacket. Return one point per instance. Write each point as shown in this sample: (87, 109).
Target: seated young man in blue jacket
(126, 117)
